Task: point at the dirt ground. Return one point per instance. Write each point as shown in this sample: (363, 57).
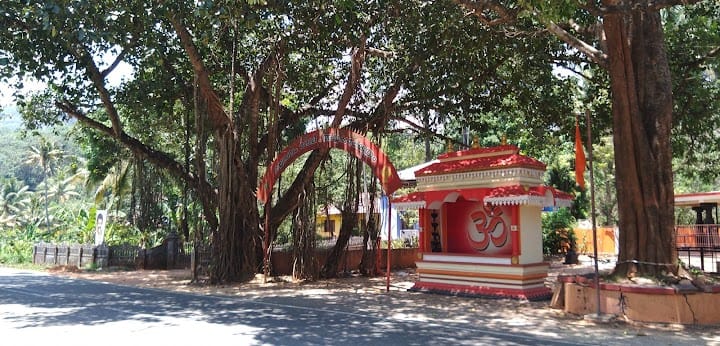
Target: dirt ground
(181, 280)
(400, 282)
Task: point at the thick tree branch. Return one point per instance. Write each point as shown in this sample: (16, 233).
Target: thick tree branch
(289, 117)
(357, 60)
(98, 80)
(216, 111)
(420, 129)
(383, 111)
(115, 63)
(379, 53)
(139, 149)
(594, 54)
(490, 12)
(290, 199)
(256, 95)
(503, 15)
(713, 53)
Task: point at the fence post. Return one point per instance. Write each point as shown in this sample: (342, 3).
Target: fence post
(94, 255)
(172, 249)
(102, 255)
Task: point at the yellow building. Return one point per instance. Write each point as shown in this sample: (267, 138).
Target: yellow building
(329, 217)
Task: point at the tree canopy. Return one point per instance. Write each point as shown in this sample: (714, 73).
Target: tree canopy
(217, 88)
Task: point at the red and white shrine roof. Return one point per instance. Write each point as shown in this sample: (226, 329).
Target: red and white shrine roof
(541, 196)
(497, 175)
(502, 165)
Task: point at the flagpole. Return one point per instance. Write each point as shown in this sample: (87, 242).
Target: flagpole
(389, 244)
(592, 211)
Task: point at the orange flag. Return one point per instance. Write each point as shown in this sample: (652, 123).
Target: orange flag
(579, 158)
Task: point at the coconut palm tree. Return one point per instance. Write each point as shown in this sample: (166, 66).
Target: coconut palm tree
(46, 155)
(14, 196)
(62, 190)
(14, 200)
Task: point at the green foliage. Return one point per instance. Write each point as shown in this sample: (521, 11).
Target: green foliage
(453, 72)
(399, 244)
(557, 231)
(92, 266)
(692, 33)
(16, 245)
(406, 149)
(117, 234)
(605, 190)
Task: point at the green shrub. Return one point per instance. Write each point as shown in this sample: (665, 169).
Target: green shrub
(16, 251)
(557, 231)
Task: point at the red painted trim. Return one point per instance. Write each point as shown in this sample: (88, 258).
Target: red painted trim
(483, 291)
(515, 235)
(533, 265)
(427, 230)
(629, 288)
(456, 254)
(699, 194)
(444, 227)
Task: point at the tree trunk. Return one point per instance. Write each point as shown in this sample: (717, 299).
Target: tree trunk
(642, 120)
(304, 264)
(371, 231)
(368, 264)
(234, 241)
(332, 264)
(349, 219)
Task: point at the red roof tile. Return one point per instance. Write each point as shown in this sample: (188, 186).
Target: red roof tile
(480, 164)
(411, 197)
(480, 151)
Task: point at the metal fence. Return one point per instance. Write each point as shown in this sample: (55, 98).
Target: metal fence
(697, 236)
(699, 246)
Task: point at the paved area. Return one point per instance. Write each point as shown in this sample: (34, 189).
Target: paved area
(521, 315)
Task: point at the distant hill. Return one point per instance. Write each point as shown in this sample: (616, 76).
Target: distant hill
(14, 148)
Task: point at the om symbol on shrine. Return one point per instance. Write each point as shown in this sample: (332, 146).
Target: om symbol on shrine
(489, 228)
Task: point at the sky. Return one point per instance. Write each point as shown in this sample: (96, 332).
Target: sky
(121, 72)
(7, 90)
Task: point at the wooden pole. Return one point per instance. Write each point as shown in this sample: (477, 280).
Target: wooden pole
(266, 242)
(592, 211)
(389, 245)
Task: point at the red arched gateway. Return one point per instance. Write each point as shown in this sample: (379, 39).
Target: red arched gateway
(353, 143)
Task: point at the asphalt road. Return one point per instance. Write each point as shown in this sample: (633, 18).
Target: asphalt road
(36, 308)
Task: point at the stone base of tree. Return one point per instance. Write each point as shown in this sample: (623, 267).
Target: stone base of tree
(682, 303)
